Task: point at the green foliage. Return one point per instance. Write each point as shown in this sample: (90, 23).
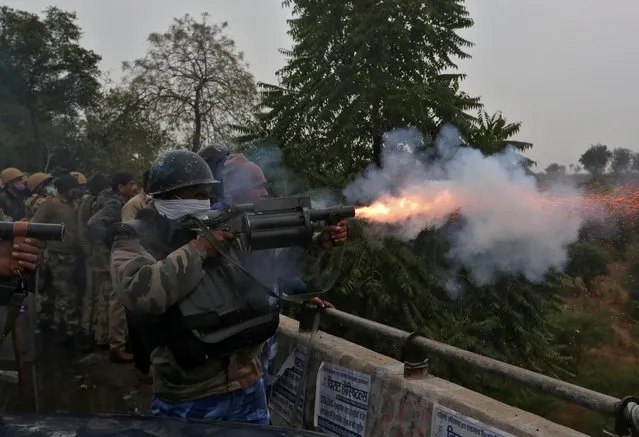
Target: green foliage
(587, 261)
(621, 161)
(357, 70)
(576, 333)
(193, 80)
(118, 136)
(632, 277)
(596, 159)
(46, 80)
(492, 134)
(555, 169)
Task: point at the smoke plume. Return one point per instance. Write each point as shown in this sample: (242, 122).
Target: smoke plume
(508, 225)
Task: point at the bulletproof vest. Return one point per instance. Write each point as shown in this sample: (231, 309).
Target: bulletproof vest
(227, 310)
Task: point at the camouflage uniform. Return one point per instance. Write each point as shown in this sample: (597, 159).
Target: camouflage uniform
(62, 259)
(110, 311)
(43, 298)
(148, 286)
(95, 320)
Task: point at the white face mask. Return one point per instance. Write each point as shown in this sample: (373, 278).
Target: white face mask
(174, 209)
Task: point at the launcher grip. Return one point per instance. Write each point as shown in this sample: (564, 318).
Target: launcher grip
(16, 233)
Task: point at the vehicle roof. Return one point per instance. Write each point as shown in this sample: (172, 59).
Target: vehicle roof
(56, 425)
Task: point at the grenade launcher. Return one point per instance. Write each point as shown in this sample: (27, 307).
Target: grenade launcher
(274, 223)
(39, 231)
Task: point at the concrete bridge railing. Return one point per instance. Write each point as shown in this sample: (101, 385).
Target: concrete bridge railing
(345, 389)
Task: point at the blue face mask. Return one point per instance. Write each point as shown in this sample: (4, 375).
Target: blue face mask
(50, 191)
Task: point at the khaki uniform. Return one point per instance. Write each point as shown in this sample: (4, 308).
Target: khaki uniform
(110, 311)
(62, 260)
(134, 205)
(33, 203)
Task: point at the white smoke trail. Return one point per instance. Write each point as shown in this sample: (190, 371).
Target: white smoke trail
(508, 225)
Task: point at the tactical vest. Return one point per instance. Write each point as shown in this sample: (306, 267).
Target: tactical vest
(226, 311)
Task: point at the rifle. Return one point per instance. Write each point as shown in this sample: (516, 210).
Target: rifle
(272, 223)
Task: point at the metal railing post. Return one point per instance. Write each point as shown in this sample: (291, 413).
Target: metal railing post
(309, 317)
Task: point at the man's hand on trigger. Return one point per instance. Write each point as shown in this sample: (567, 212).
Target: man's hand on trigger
(334, 235)
(204, 246)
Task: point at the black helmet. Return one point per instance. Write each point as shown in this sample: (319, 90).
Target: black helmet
(178, 169)
(213, 154)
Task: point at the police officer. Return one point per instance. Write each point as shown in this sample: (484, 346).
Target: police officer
(13, 194)
(62, 256)
(194, 296)
(41, 187)
(216, 158)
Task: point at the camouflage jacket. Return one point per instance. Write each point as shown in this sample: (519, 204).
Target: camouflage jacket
(100, 225)
(146, 285)
(97, 253)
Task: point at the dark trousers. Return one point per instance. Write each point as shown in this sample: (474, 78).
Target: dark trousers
(139, 347)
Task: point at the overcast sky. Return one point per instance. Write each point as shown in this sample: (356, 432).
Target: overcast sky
(567, 69)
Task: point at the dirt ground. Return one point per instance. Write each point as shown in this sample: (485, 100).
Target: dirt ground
(69, 382)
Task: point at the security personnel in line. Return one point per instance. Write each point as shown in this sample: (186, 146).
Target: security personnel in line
(192, 298)
(82, 180)
(13, 194)
(41, 187)
(62, 256)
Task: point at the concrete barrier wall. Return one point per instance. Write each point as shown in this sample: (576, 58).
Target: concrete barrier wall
(396, 406)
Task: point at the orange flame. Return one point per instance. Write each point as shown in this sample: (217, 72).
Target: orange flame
(397, 209)
(621, 202)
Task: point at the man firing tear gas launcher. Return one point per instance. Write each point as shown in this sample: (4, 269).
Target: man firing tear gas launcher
(206, 317)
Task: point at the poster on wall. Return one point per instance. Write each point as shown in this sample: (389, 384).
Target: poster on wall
(341, 401)
(449, 423)
(287, 386)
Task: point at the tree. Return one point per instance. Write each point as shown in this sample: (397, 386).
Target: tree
(587, 261)
(493, 133)
(118, 136)
(46, 81)
(595, 159)
(621, 160)
(555, 169)
(194, 81)
(357, 70)
(635, 162)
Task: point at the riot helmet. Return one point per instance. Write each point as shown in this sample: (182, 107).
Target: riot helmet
(82, 179)
(38, 180)
(178, 169)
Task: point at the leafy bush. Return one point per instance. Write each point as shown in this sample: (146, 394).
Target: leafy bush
(587, 261)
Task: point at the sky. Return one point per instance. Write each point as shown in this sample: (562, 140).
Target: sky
(566, 69)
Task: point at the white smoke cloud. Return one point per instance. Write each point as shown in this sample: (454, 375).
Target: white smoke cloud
(508, 225)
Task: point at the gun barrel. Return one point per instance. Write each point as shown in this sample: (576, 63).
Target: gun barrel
(333, 214)
(39, 231)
